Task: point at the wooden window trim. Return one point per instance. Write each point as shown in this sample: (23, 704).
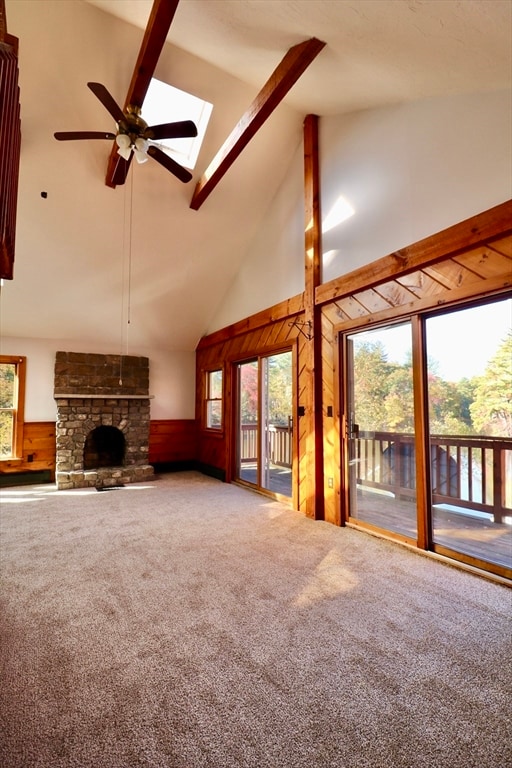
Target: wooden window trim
(19, 414)
(214, 431)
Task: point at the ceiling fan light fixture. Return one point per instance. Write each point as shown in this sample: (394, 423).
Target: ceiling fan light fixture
(123, 141)
(140, 149)
(125, 152)
(140, 156)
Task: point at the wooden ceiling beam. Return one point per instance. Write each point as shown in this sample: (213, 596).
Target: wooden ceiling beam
(155, 35)
(273, 92)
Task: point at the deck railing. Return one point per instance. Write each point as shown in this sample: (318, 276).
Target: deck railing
(470, 472)
(279, 444)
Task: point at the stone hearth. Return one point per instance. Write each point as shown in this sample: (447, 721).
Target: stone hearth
(92, 391)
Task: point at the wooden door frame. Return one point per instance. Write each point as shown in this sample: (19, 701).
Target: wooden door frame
(234, 406)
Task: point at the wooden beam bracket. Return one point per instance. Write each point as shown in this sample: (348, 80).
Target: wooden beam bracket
(300, 325)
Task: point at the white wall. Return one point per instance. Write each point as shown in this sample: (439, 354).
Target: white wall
(273, 268)
(171, 376)
(408, 171)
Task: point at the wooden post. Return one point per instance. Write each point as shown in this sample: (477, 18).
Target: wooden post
(422, 437)
(314, 502)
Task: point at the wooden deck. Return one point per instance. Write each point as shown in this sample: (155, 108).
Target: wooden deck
(459, 529)
(280, 478)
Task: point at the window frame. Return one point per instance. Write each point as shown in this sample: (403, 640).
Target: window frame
(208, 399)
(18, 409)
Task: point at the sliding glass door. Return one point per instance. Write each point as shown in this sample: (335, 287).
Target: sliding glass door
(457, 425)
(380, 426)
(469, 353)
(264, 423)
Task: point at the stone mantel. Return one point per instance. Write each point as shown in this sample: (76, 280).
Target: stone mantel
(74, 396)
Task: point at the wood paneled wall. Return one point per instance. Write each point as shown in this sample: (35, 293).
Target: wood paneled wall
(264, 333)
(38, 450)
(172, 441)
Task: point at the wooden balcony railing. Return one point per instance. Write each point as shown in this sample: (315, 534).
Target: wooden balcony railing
(279, 445)
(474, 473)
(470, 472)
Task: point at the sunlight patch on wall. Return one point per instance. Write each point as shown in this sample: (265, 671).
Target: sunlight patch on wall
(341, 211)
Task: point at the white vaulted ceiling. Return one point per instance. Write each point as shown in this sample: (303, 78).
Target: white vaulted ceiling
(74, 256)
(377, 51)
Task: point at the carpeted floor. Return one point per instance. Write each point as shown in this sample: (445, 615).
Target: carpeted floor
(193, 624)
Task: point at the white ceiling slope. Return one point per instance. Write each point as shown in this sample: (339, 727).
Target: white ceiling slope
(377, 52)
(74, 274)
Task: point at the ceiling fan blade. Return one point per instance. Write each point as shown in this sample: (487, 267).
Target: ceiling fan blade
(171, 165)
(107, 100)
(178, 130)
(76, 135)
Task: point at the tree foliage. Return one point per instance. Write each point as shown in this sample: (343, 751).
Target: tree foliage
(491, 409)
(383, 393)
(276, 371)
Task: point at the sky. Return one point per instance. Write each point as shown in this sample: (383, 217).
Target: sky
(461, 342)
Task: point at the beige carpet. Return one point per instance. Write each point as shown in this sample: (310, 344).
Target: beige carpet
(192, 624)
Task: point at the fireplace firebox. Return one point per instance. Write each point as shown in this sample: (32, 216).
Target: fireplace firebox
(104, 447)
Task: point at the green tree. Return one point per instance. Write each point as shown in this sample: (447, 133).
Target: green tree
(279, 379)
(448, 404)
(491, 410)
(249, 393)
(384, 395)
(399, 402)
(370, 385)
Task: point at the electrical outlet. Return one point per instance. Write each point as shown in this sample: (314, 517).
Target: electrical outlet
(330, 482)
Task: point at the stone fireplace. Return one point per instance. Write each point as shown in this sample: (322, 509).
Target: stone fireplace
(102, 420)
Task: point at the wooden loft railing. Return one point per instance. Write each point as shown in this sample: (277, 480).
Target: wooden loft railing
(10, 141)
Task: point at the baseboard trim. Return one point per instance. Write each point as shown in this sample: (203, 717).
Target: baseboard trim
(34, 477)
(161, 467)
(211, 471)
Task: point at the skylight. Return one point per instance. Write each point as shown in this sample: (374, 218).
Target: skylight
(166, 104)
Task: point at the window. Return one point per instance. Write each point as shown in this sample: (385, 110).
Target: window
(213, 390)
(12, 396)
(166, 104)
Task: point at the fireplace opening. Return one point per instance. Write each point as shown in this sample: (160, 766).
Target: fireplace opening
(104, 447)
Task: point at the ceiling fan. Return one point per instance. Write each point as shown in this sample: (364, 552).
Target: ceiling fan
(133, 134)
